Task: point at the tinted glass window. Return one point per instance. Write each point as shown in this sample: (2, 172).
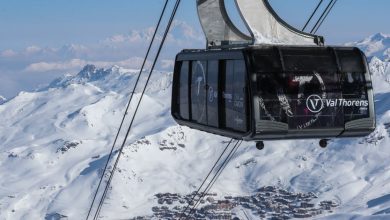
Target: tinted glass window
(355, 96)
(183, 91)
(212, 93)
(227, 94)
(234, 95)
(351, 60)
(239, 97)
(198, 92)
(302, 100)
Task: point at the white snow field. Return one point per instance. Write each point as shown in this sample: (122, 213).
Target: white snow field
(54, 143)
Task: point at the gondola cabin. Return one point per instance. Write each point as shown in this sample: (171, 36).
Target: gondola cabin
(274, 92)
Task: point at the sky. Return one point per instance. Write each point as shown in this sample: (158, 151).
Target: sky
(44, 39)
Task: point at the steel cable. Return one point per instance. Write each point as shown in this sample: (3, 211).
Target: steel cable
(138, 105)
(214, 179)
(312, 15)
(211, 170)
(325, 17)
(322, 16)
(127, 107)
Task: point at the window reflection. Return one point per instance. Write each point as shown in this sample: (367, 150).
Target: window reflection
(299, 99)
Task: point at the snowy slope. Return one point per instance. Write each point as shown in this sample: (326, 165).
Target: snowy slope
(377, 45)
(49, 137)
(380, 75)
(2, 99)
(54, 142)
(377, 50)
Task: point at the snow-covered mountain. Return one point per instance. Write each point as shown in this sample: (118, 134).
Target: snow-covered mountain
(58, 137)
(377, 49)
(54, 142)
(2, 99)
(377, 45)
(381, 74)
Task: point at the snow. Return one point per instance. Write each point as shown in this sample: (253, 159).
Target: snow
(377, 45)
(380, 75)
(54, 143)
(2, 99)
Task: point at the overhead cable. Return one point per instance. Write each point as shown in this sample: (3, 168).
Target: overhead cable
(320, 19)
(138, 105)
(318, 27)
(205, 179)
(212, 181)
(127, 108)
(312, 15)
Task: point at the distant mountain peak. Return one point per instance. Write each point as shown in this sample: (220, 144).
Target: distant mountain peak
(91, 73)
(379, 36)
(87, 71)
(2, 100)
(376, 45)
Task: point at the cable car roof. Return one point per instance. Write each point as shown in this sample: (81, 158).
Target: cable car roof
(263, 24)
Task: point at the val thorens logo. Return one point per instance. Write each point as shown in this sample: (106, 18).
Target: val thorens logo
(314, 103)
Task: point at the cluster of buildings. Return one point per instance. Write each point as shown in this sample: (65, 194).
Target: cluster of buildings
(267, 203)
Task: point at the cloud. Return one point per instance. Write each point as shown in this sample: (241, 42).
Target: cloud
(119, 38)
(117, 47)
(32, 50)
(72, 48)
(180, 32)
(167, 64)
(187, 30)
(135, 36)
(45, 66)
(122, 49)
(77, 64)
(134, 63)
(8, 53)
(114, 50)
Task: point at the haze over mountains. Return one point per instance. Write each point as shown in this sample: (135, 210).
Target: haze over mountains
(55, 140)
(24, 69)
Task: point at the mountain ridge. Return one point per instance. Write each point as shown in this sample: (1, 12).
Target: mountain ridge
(376, 45)
(54, 143)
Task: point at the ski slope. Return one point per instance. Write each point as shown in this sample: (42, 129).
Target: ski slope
(54, 142)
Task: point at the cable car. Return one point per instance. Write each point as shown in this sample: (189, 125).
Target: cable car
(274, 92)
(271, 91)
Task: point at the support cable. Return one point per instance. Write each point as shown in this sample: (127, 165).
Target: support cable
(214, 179)
(138, 105)
(204, 181)
(322, 16)
(220, 170)
(325, 17)
(127, 108)
(312, 15)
